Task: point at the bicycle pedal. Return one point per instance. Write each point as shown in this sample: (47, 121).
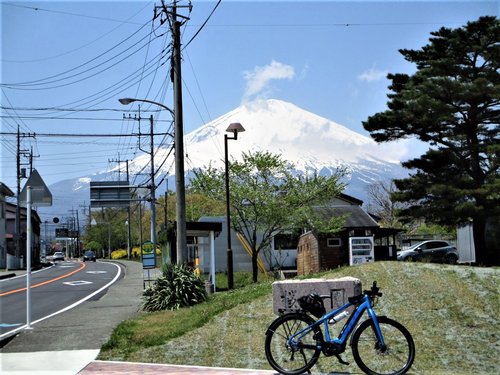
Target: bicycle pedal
(341, 361)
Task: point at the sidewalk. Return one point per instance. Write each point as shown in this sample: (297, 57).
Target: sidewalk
(130, 368)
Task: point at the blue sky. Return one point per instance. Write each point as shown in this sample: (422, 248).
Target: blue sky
(328, 57)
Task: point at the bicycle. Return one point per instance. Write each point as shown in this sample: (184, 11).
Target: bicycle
(380, 345)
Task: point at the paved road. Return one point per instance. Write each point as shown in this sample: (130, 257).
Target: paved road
(89, 325)
(53, 290)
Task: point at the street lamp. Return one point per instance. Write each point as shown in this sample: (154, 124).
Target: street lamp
(234, 128)
(179, 179)
(127, 101)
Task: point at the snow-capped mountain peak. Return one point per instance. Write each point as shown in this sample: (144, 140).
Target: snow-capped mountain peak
(308, 140)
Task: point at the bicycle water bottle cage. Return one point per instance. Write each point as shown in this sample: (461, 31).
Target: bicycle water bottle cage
(313, 304)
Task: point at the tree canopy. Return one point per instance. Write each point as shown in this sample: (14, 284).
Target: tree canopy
(452, 102)
(267, 198)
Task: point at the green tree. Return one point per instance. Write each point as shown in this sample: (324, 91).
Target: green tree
(451, 102)
(268, 199)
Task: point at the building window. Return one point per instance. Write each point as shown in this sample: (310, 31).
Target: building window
(286, 241)
(333, 242)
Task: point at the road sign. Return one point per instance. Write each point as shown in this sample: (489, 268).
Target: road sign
(148, 255)
(62, 233)
(40, 193)
(109, 194)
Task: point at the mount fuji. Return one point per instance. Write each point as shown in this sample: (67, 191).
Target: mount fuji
(312, 143)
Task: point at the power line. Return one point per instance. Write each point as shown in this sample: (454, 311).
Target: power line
(68, 118)
(41, 80)
(202, 26)
(68, 13)
(62, 135)
(71, 109)
(75, 49)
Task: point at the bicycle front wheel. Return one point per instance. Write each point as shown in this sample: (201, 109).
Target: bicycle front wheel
(394, 358)
(292, 358)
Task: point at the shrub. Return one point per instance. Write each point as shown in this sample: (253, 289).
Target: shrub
(119, 254)
(177, 287)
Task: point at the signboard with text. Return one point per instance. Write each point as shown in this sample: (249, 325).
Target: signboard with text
(109, 194)
(148, 255)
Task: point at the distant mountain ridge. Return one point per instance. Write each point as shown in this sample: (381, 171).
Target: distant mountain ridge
(313, 143)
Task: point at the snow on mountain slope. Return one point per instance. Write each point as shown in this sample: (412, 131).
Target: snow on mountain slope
(310, 141)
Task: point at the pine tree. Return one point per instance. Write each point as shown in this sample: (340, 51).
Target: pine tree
(452, 102)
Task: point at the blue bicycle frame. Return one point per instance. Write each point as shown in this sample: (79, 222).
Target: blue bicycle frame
(347, 329)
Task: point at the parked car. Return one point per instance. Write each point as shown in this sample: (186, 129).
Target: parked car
(89, 256)
(432, 251)
(58, 255)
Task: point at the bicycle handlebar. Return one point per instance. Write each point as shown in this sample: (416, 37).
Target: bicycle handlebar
(374, 291)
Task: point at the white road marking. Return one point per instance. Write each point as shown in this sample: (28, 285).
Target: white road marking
(79, 282)
(24, 275)
(10, 333)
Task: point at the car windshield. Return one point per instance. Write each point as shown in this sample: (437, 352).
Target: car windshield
(89, 253)
(414, 246)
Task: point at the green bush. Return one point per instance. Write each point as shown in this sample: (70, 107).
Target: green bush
(177, 287)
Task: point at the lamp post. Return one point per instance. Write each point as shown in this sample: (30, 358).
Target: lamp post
(234, 128)
(179, 179)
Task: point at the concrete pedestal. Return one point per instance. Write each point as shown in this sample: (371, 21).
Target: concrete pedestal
(287, 292)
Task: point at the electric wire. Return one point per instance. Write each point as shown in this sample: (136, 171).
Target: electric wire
(67, 13)
(203, 25)
(153, 78)
(25, 117)
(82, 46)
(37, 81)
(112, 90)
(93, 75)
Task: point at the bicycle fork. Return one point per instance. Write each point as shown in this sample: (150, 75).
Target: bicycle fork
(380, 343)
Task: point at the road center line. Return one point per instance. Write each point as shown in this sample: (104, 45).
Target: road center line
(10, 333)
(82, 266)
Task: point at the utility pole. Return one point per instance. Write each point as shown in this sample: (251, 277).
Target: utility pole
(129, 241)
(19, 176)
(165, 220)
(77, 234)
(176, 78)
(119, 161)
(153, 187)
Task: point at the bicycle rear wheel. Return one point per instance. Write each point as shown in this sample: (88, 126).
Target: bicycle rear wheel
(292, 359)
(395, 358)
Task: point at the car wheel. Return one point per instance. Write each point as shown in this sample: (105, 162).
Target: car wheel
(451, 259)
(409, 259)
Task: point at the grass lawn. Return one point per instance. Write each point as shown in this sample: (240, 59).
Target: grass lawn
(453, 313)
